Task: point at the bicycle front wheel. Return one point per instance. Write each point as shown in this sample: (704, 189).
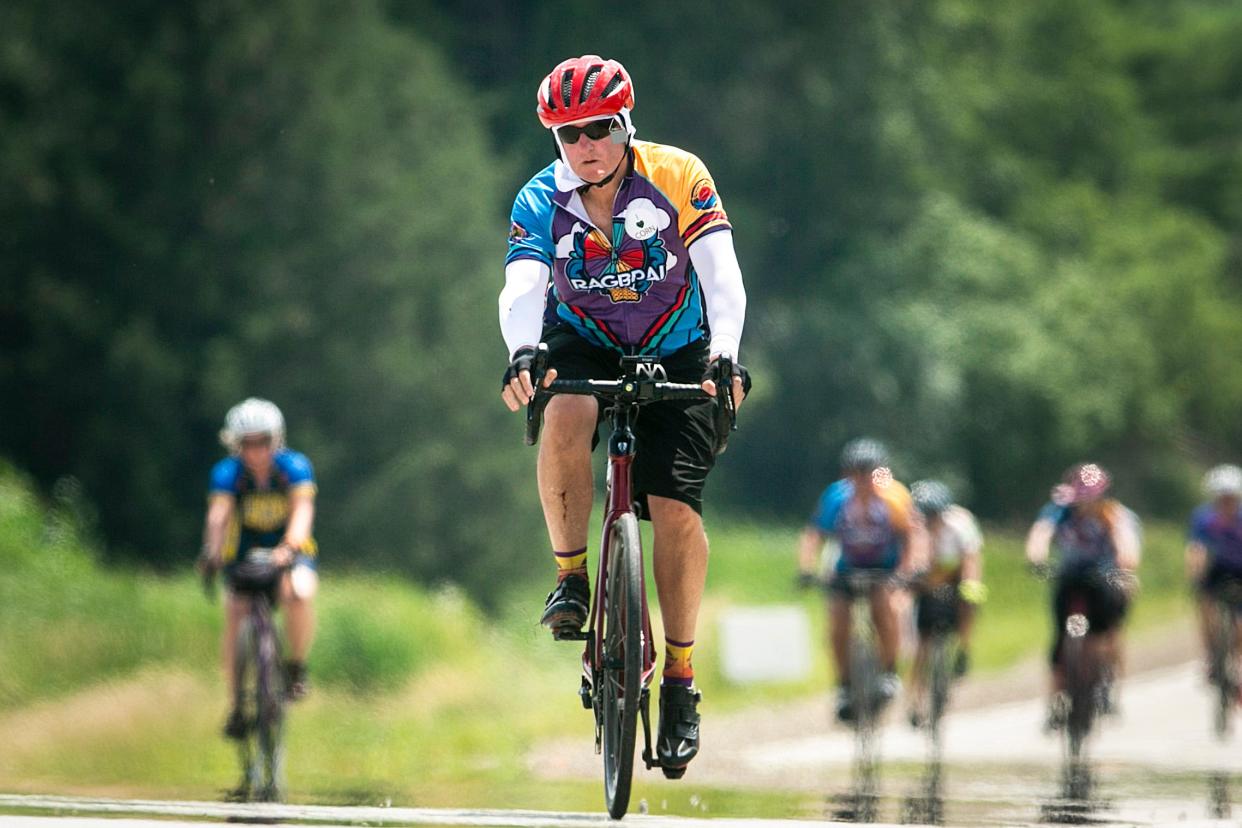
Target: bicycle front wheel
(620, 676)
(1223, 672)
(270, 697)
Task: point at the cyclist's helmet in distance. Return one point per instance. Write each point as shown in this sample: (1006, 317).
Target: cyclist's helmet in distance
(863, 454)
(1223, 481)
(1085, 482)
(584, 88)
(250, 417)
(931, 497)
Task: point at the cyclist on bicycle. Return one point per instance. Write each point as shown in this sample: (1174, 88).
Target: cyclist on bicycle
(1097, 540)
(874, 521)
(1214, 550)
(953, 586)
(263, 496)
(618, 247)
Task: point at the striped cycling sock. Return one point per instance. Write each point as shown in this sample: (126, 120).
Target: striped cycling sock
(677, 666)
(568, 563)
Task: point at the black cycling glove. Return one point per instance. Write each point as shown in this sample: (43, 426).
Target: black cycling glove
(716, 369)
(523, 360)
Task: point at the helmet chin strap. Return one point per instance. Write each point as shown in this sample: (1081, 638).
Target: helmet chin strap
(603, 182)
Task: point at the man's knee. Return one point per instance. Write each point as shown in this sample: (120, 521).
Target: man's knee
(665, 511)
(569, 422)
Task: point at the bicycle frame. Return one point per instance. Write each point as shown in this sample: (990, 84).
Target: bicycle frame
(619, 500)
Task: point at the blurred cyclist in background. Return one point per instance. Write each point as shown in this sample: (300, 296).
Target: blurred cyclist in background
(1214, 550)
(1097, 540)
(263, 496)
(953, 586)
(873, 519)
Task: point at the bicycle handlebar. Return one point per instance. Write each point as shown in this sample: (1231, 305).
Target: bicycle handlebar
(633, 389)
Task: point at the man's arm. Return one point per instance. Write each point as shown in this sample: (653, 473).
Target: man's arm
(1196, 561)
(724, 295)
(301, 519)
(1039, 541)
(220, 508)
(810, 544)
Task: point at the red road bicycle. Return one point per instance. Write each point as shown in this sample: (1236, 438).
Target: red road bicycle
(619, 662)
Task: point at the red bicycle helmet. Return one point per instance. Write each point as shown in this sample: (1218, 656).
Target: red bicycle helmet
(583, 88)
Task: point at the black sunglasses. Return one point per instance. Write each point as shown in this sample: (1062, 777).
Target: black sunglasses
(594, 130)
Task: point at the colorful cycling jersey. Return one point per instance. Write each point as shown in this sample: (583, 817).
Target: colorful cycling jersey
(262, 512)
(1082, 538)
(1220, 534)
(956, 536)
(630, 287)
(870, 532)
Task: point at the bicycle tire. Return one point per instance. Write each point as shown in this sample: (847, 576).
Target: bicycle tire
(1080, 688)
(1223, 671)
(244, 702)
(864, 688)
(270, 700)
(938, 683)
(620, 676)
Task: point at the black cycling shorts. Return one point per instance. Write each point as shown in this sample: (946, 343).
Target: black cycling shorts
(1223, 581)
(938, 610)
(675, 439)
(1103, 604)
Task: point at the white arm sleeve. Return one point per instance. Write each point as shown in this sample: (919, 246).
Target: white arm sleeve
(521, 303)
(723, 293)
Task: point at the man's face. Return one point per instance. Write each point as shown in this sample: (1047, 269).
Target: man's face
(591, 158)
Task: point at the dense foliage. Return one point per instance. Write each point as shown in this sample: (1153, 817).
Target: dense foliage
(1004, 236)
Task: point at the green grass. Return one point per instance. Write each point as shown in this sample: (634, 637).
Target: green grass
(109, 683)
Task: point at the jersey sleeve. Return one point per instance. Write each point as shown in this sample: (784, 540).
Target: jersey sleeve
(829, 507)
(224, 477)
(900, 506)
(699, 210)
(530, 223)
(1052, 513)
(299, 471)
(969, 536)
(1199, 527)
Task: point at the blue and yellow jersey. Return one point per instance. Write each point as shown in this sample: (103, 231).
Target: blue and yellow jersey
(262, 513)
(871, 533)
(630, 287)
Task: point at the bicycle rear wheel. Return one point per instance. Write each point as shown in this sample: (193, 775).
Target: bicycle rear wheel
(620, 677)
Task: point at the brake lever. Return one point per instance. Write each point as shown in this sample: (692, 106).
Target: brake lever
(534, 408)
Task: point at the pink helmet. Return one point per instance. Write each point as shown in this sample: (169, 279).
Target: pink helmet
(583, 88)
(1082, 483)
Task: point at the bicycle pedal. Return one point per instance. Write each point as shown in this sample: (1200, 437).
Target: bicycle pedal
(673, 773)
(569, 634)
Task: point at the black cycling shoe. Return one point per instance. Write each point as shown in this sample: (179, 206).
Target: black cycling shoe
(297, 685)
(845, 705)
(236, 727)
(567, 606)
(678, 740)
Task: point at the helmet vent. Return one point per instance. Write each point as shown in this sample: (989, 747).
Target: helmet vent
(612, 84)
(587, 85)
(567, 84)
